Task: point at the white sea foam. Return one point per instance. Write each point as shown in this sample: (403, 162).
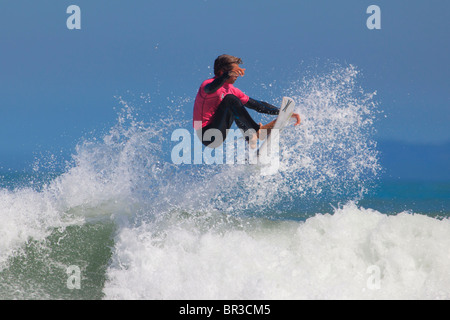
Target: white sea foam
(25, 214)
(329, 256)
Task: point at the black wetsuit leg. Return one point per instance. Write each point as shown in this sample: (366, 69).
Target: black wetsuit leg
(229, 110)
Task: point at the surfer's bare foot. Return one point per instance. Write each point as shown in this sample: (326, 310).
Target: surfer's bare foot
(264, 130)
(262, 133)
(253, 141)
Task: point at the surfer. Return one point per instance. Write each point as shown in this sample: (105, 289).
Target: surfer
(218, 104)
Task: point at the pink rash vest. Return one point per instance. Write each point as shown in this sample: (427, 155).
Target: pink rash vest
(206, 104)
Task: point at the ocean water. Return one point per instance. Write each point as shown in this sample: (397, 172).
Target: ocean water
(121, 221)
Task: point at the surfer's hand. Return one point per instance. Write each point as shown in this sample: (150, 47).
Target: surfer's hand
(237, 72)
(297, 118)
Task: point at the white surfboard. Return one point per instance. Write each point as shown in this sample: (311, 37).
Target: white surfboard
(268, 152)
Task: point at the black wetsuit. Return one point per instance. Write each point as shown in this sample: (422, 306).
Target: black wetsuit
(232, 109)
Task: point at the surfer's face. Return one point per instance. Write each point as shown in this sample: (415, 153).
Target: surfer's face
(233, 75)
(232, 79)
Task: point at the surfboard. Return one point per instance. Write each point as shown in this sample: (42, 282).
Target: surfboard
(267, 153)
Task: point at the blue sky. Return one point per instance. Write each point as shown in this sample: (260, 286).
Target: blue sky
(58, 85)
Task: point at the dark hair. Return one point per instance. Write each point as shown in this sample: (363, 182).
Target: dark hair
(224, 62)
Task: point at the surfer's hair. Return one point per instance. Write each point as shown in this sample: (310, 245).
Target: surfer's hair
(224, 62)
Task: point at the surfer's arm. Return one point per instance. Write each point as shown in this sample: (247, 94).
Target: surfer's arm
(262, 107)
(217, 83)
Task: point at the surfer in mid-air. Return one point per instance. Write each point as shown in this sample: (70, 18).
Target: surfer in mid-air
(218, 104)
